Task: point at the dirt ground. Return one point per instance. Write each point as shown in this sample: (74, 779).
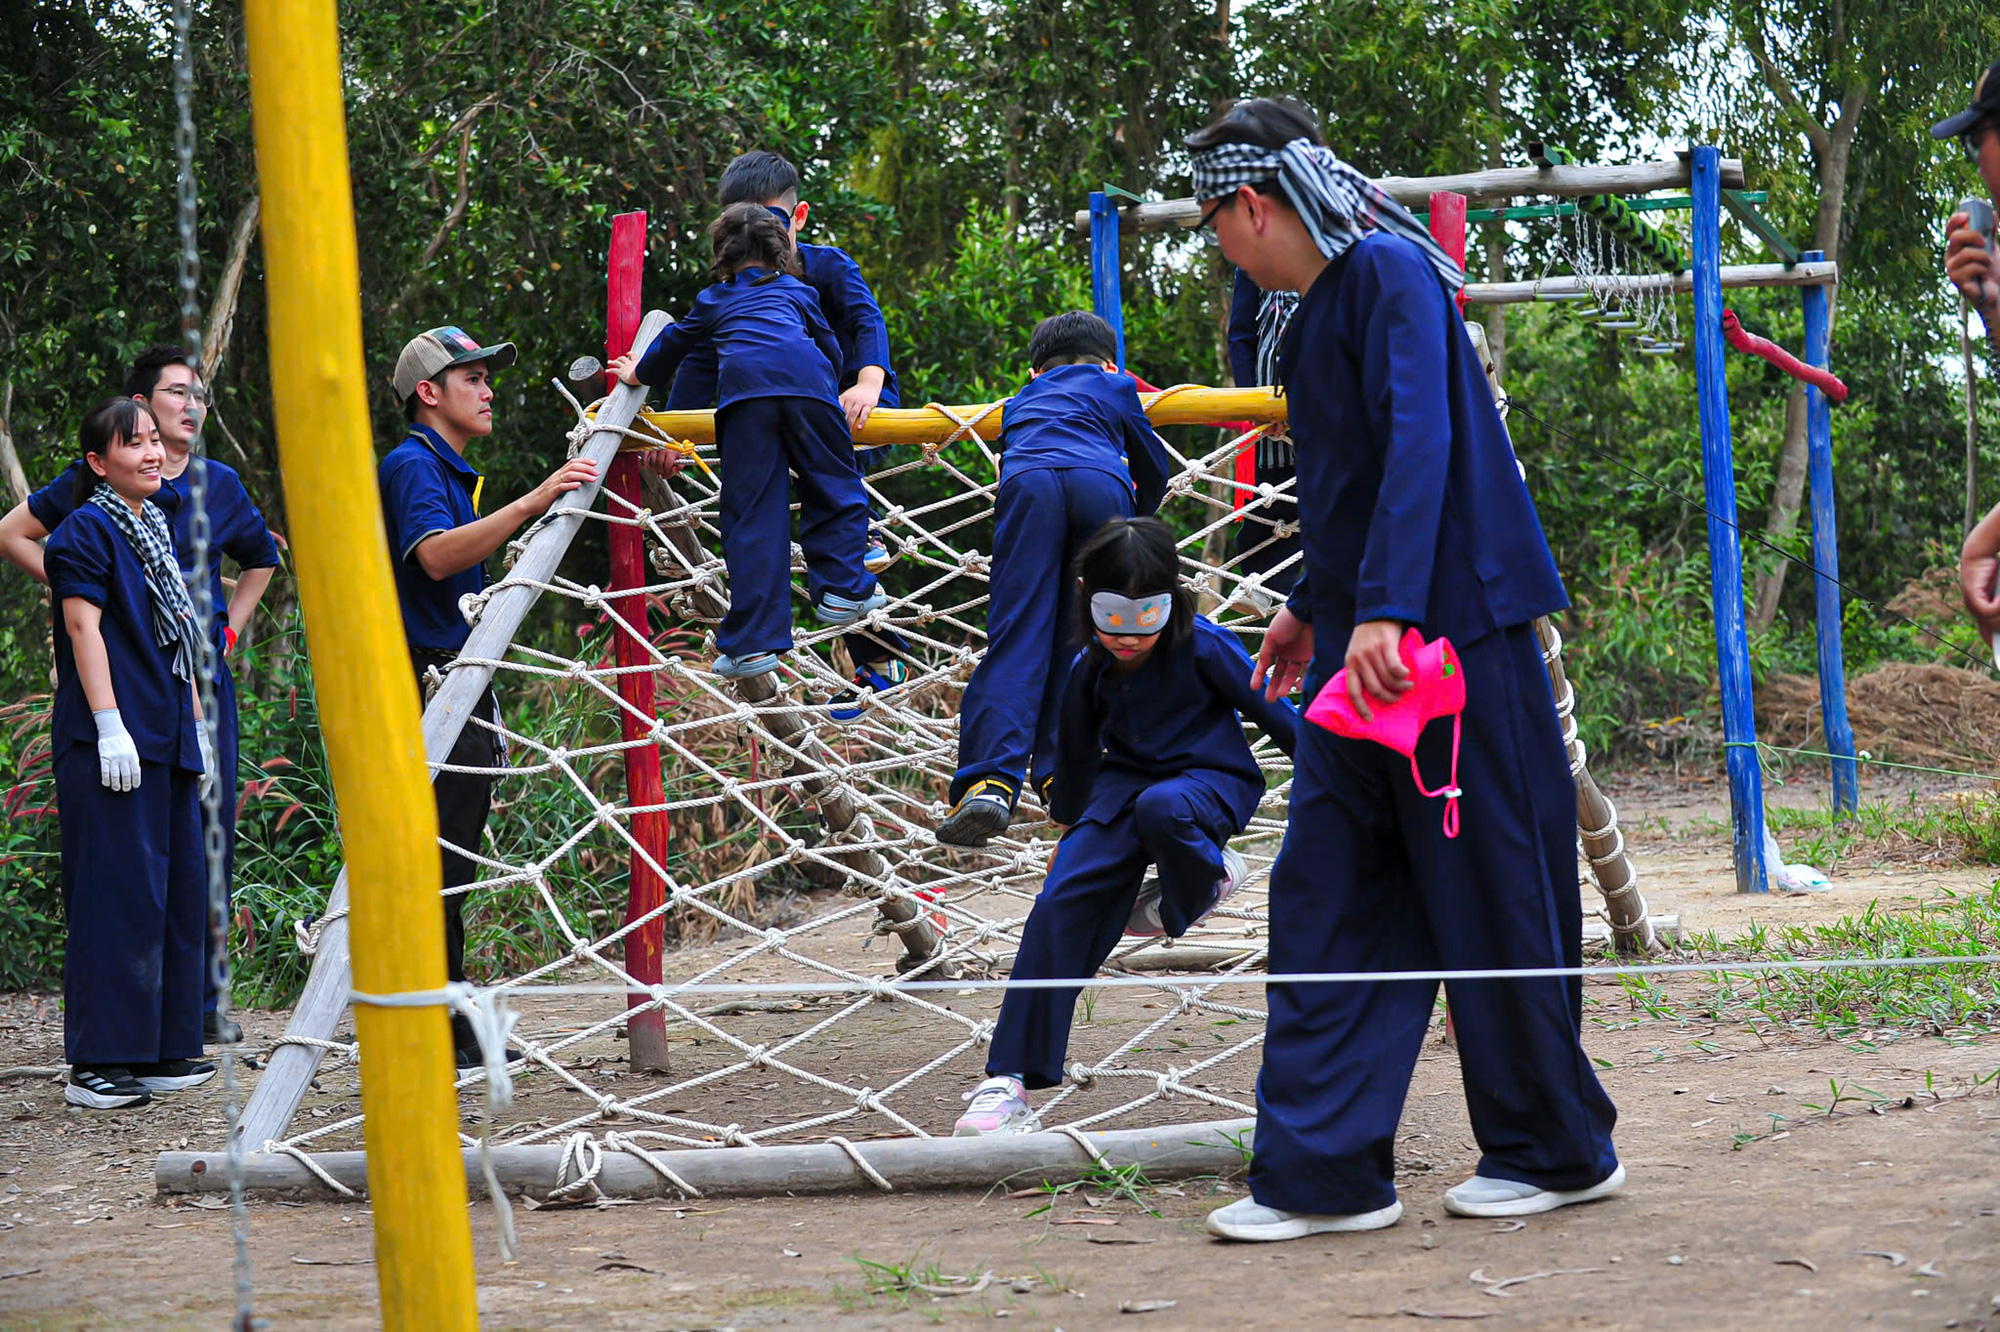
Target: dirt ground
(1746, 1206)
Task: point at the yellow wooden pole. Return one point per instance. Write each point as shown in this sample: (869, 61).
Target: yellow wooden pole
(367, 697)
(928, 425)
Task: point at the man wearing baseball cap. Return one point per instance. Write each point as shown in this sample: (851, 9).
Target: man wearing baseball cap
(439, 541)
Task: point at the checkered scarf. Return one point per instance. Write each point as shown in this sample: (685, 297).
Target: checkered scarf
(1338, 204)
(173, 610)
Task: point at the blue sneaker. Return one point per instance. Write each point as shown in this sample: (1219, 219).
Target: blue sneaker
(848, 705)
(877, 557)
(742, 668)
(981, 814)
(837, 610)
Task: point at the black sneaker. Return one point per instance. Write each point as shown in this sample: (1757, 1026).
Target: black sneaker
(104, 1088)
(465, 1046)
(219, 1030)
(980, 815)
(173, 1074)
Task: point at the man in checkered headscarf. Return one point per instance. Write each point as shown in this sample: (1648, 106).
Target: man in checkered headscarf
(1413, 520)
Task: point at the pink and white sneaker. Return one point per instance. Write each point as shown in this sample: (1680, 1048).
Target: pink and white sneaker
(999, 1105)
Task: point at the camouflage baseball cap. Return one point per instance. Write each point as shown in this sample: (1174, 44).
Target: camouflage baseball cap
(428, 355)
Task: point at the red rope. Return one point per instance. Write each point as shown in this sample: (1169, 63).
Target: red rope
(1750, 344)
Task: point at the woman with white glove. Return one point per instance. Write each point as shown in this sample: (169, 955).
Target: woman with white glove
(130, 758)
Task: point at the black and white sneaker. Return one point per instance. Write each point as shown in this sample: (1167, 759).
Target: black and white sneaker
(173, 1074)
(98, 1088)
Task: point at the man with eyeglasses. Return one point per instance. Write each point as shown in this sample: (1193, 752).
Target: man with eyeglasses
(171, 387)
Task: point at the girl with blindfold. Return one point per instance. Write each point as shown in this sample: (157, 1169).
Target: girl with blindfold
(1153, 769)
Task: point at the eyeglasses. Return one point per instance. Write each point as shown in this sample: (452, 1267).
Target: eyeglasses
(1206, 227)
(186, 394)
(1969, 140)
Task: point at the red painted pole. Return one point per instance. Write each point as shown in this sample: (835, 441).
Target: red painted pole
(646, 1032)
(1448, 229)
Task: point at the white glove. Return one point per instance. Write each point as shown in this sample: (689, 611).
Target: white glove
(208, 764)
(117, 756)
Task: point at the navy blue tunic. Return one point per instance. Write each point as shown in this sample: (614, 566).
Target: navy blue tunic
(236, 527)
(848, 305)
(1245, 297)
(1178, 713)
(768, 334)
(428, 488)
(1412, 506)
(1080, 416)
(89, 557)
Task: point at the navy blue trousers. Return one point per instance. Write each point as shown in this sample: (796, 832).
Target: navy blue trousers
(762, 442)
(1178, 824)
(1007, 723)
(135, 897)
(228, 742)
(1368, 882)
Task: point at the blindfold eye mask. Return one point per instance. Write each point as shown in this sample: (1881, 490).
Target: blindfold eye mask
(1138, 616)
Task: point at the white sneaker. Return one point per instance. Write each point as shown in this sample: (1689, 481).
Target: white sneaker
(1248, 1219)
(999, 1105)
(1235, 870)
(1483, 1196)
(1144, 922)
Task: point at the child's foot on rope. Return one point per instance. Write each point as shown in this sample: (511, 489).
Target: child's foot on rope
(877, 557)
(873, 678)
(104, 1087)
(742, 668)
(1144, 922)
(1235, 870)
(837, 610)
(999, 1105)
(219, 1030)
(980, 815)
(173, 1074)
(1248, 1219)
(1484, 1196)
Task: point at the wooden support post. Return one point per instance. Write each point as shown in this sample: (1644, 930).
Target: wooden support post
(367, 697)
(1725, 553)
(1826, 559)
(645, 1028)
(1106, 296)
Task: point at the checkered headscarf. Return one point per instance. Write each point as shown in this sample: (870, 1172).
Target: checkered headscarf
(174, 624)
(1338, 204)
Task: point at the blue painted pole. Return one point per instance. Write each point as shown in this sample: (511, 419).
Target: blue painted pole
(1725, 554)
(1826, 558)
(1105, 295)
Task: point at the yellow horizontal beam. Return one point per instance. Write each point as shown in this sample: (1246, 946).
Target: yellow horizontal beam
(931, 424)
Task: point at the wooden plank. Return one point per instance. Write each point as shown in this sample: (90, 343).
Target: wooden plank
(1478, 186)
(1735, 275)
(931, 425)
(1169, 1151)
(317, 1016)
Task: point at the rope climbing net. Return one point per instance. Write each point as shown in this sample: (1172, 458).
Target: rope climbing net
(802, 845)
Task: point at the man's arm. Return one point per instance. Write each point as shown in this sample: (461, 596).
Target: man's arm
(442, 554)
(1220, 658)
(250, 587)
(21, 536)
(1145, 457)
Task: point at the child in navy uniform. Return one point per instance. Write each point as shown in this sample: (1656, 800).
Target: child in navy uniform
(129, 760)
(1076, 451)
(777, 411)
(866, 380)
(1153, 769)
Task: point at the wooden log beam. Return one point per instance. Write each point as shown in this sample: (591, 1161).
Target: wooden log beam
(929, 425)
(1736, 275)
(1477, 186)
(1170, 1151)
(318, 1012)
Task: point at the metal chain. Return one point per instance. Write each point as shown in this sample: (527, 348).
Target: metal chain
(215, 853)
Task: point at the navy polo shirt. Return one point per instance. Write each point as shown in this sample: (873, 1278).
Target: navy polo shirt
(848, 304)
(1411, 507)
(236, 527)
(1081, 416)
(769, 338)
(89, 557)
(428, 488)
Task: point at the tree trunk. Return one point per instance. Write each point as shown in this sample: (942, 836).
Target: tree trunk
(1786, 495)
(1971, 415)
(10, 461)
